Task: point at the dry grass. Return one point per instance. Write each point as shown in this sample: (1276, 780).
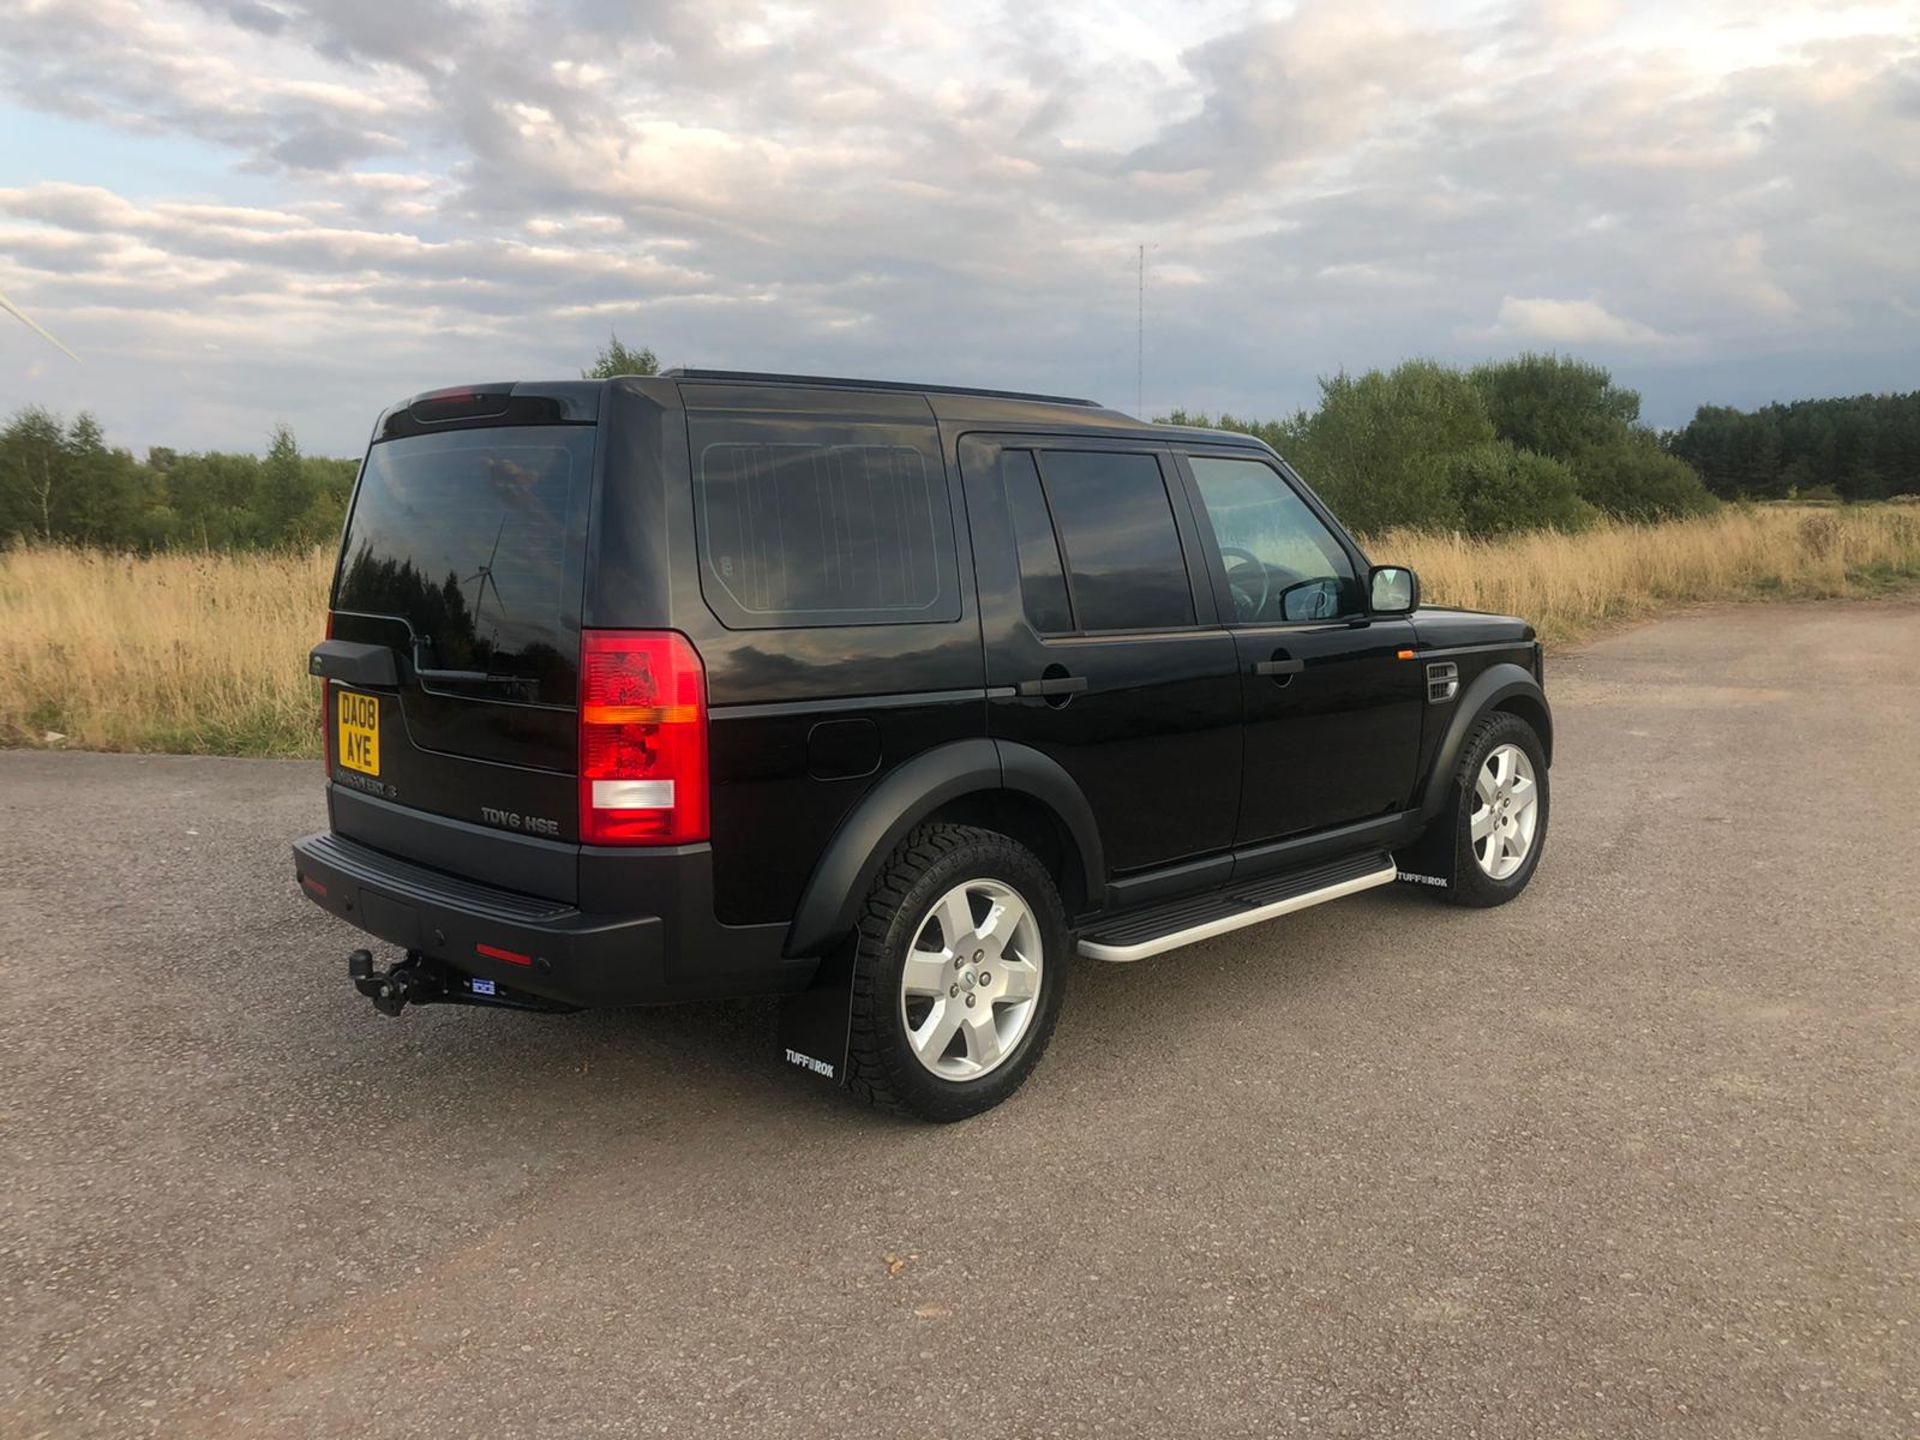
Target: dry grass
(189, 652)
(1570, 584)
(205, 653)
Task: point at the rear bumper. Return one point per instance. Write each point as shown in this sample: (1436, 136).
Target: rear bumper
(672, 950)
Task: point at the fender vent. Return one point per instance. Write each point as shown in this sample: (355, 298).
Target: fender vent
(1443, 682)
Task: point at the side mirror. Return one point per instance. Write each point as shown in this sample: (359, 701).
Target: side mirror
(1393, 590)
(1310, 600)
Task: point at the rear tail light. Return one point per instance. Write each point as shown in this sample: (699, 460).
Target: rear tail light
(643, 739)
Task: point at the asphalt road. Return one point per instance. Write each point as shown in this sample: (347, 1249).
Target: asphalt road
(1637, 1155)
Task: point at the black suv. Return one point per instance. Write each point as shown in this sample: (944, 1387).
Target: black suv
(885, 698)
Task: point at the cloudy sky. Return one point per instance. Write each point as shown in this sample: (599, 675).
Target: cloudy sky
(243, 211)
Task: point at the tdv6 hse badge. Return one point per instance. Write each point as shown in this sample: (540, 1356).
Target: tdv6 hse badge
(510, 820)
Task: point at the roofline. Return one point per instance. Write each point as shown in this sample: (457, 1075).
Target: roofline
(757, 377)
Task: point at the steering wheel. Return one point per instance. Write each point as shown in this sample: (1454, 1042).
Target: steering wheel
(1241, 593)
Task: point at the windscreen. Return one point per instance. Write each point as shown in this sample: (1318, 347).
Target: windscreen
(475, 539)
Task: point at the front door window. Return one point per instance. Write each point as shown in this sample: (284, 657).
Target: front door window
(1283, 565)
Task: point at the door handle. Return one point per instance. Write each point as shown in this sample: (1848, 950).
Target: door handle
(1279, 666)
(1053, 685)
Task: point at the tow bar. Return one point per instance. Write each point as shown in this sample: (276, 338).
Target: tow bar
(422, 980)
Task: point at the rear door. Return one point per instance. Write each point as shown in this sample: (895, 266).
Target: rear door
(1333, 710)
(464, 554)
(1102, 648)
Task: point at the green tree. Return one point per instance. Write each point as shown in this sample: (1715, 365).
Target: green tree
(1282, 435)
(1865, 446)
(1501, 489)
(33, 474)
(101, 501)
(616, 359)
(1379, 446)
(1554, 404)
(284, 494)
(213, 498)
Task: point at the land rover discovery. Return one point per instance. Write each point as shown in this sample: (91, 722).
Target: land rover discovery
(894, 700)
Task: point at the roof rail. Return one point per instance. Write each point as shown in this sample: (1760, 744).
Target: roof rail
(756, 377)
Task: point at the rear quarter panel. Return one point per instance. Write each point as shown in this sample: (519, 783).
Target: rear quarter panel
(805, 720)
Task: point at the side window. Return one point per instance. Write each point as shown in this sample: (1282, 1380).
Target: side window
(1282, 563)
(1043, 579)
(1125, 567)
(847, 527)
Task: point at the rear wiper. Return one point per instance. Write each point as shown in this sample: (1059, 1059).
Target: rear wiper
(429, 675)
(468, 677)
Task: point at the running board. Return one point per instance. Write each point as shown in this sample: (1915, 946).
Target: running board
(1185, 922)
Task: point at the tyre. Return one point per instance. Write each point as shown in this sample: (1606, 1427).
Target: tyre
(1500, 811)
(959, 966)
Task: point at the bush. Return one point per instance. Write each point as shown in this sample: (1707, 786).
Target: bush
(1554, 404)
(1637, 480)
(1501, 489)
(1378, 447)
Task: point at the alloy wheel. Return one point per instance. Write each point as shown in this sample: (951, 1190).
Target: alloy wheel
(1506, 812)
(971, 984)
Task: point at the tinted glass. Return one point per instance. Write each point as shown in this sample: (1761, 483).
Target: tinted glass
(1117, 530)
(1043, 583)
(852, 530)
(1282, 563)
(473, 539)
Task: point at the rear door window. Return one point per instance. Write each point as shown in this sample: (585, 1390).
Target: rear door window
(476, 539)
(1043, 579)
(1125, 566)
(840, 524)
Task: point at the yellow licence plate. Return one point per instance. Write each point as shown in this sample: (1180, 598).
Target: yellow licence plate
(360, 732)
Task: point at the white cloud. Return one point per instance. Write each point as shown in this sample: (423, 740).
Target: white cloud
(1713, 197)
(1569, 322)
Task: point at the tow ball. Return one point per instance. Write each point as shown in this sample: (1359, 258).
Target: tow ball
(407, 983)
(421, 980)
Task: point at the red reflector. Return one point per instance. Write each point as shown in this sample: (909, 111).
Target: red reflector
(314, 885)
(494, 952)
(643, 739)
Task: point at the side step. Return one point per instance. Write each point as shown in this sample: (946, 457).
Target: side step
(1142, 933)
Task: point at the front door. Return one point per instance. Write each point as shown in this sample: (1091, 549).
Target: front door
(1333, 705)
(1103, 649)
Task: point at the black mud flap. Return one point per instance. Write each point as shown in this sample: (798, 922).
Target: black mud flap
(816, 1026)
(1429, 861)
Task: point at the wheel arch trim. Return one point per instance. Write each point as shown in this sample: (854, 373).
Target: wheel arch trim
(1495, 688)
(829, 905)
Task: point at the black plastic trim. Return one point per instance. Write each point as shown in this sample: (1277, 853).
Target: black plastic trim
(1491, 688)
(1186, 878)
(352, 663)
(844, 703)
(577, 959)
(565, 402)
(548, 868)
(1029, 772)
(1283, 855)
(648, 935)
(907, 795)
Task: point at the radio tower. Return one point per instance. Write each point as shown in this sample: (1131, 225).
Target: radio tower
(1140, 342)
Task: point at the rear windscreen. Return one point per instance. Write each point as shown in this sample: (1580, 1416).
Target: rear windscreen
(475, 539)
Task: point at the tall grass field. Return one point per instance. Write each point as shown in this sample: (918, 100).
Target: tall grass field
(206, 653)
